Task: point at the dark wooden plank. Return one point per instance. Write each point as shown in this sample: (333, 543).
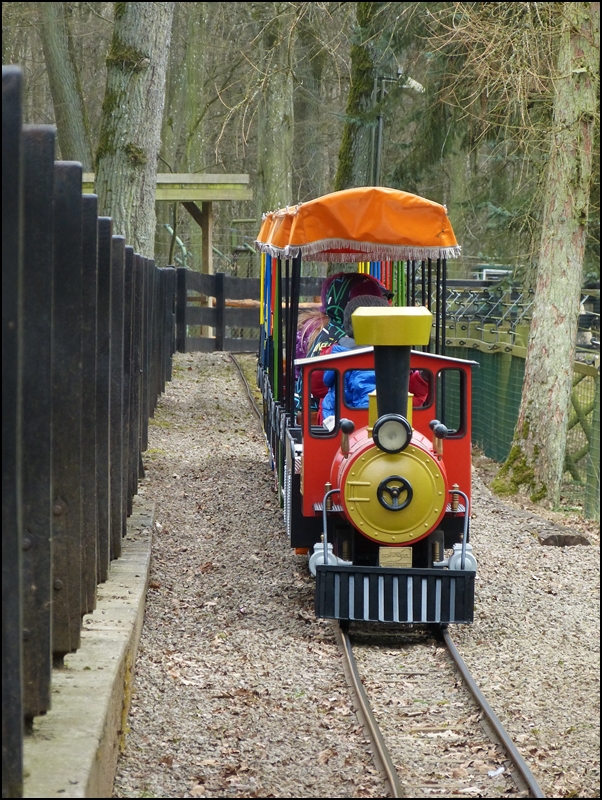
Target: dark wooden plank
(170, 313)
(147, 355)
(233, 317)
(183, 275)
(67, 409)
(310, 287)
(135, 392)
(199, 345)
(159, 324)
(38, 177)
(241, 288)
(241, 345)
(116, 447)
(242, 318)
(155, 344)
(199, 282)
(128, 350)
(164, 326)
(103, 396)
(89, 322)
(207, 345)
(12, 711)
(220, 304)
(201, 316)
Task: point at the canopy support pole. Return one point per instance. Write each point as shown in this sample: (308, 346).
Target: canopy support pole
(292, 337)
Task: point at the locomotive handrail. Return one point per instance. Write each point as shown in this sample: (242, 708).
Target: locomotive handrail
(466, 518)
(325, 521)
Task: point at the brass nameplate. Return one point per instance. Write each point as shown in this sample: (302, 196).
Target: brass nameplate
(395, 556)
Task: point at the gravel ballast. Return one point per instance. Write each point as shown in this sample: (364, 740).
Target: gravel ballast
(240, 691)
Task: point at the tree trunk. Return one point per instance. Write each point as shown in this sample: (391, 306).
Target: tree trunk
(275, 116)
(186, 94)
(310, 178)
(126, 158)
(357, 151)
(71, 124)
(536, 461)
(182, 132)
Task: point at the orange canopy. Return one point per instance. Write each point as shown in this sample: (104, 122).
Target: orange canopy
(370, 223)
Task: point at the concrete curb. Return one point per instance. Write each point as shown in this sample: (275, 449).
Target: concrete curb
(73, 749)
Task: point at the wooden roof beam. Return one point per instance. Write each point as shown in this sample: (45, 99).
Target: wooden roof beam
(186, 187)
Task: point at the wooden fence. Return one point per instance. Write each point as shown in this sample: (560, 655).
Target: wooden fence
(88, 336)
(484, 321)
(236, 307)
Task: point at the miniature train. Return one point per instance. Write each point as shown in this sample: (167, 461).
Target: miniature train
(379, 499)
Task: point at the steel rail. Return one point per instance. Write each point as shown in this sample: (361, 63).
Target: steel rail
(351, 670)
(247, 388)
(378, 743)
(370, 723)
(493, 720)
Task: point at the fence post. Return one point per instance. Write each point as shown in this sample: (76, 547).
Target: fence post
(147, 354)
(36, 410)
(116, 447)
(592, 480)
(103, 396)
(181, 300)
(67, 409)
(163, 326)
(135, 371)
(220, 307)
(154, 359)
(128, 376)
(12, 708)
(158, 339)
(170, 326)
(88, 361)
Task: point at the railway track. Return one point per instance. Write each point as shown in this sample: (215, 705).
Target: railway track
(432, 733)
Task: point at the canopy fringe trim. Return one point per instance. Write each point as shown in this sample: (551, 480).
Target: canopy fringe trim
(352, 251)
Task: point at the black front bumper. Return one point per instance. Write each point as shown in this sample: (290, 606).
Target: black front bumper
(413, 596)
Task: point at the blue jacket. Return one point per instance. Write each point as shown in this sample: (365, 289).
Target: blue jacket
(358, 385)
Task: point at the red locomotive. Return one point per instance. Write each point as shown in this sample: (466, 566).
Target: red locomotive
(380, 496)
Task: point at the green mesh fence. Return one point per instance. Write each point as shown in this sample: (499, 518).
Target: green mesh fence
(580, 427)
(496, 391)
(586, 449)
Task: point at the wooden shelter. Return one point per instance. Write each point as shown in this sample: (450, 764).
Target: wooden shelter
(197, 193)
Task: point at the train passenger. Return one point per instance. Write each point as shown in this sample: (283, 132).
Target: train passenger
(359, 383)
(320, 329)
(337, 291)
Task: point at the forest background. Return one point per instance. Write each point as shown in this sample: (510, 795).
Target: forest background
(240, 75)
(491, 109)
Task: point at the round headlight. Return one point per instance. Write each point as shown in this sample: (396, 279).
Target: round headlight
(392, 433)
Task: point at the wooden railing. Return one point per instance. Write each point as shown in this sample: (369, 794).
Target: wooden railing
(88, 336)
(484, 321)
(221, 302)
